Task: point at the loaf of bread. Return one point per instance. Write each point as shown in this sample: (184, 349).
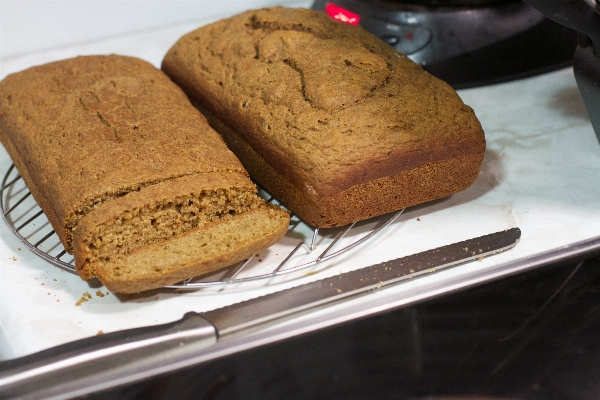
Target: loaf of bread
(131, 176)
(327, 117)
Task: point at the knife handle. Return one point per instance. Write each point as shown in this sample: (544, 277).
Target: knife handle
(112, 357)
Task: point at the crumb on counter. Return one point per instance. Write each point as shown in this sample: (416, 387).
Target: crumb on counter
(84, 297)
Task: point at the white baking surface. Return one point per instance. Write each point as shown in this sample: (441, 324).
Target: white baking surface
(541, 173)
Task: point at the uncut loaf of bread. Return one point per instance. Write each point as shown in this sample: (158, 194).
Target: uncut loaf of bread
(131, 176)
(327, 117)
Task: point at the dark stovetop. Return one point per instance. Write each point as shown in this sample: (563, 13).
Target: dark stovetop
(531, 336)
(466, 43)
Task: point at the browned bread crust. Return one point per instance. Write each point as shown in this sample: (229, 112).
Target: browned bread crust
(119, 159)
(326, 116)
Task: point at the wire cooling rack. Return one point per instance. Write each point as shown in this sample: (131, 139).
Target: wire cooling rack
(296, 252)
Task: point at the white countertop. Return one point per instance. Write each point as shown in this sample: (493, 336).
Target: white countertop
(541, 173)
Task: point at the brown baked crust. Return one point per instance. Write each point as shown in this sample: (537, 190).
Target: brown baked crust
(89, 129)
(423, 183)
(327, 105)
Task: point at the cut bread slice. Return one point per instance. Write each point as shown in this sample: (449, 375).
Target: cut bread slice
(158, 235)
(210, 247)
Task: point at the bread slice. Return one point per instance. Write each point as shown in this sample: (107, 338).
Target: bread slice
(170, 231)
(326, 116)
(119, 159)
(213, 246)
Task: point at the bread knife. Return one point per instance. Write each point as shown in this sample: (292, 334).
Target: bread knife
(91, 364)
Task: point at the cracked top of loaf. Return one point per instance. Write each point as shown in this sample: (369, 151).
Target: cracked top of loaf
(92, 128)
(327, 104)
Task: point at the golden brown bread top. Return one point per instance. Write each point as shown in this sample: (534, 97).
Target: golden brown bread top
(93, 128)
(328, 104)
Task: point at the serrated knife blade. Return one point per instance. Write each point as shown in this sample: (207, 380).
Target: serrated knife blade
(241, 316)
(95, 363)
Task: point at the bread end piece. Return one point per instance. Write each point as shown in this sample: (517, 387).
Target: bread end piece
(203, 250)
(158, 221)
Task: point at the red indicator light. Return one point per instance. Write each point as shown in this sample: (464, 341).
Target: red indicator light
(341, 14)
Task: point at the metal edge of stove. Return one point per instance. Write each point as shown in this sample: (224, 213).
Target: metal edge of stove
(352, 310)
(583, 16)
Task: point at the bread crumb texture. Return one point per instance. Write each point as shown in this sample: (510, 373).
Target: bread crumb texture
(118, 158)
(329, 108)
